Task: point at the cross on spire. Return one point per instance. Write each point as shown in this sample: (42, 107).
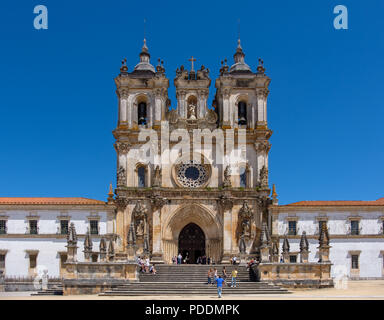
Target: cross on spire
(192, 60)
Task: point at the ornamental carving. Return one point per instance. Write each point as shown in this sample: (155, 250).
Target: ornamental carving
(192, 175)
(121, 202)
(211, 116)
(226, 202)
(121, 176)
(122, 147)
(263, 146)
(173, 116)
(227, 177)
(264, 176)
(263, 93)
(245, 220)
(123, 93)
(157, 177)
(158, 201)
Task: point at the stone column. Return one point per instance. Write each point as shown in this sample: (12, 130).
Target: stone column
(157, 203)
(261, 96)
(123, 107)
(226, 204)
(226, 109)
(121, 223)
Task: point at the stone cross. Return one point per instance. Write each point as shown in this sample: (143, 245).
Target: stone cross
(192, 60)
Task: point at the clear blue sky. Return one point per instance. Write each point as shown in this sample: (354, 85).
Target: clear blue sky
(58, 104)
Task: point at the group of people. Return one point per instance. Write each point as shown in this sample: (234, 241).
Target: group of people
(145, 266)
(213, 278)
(179, 259)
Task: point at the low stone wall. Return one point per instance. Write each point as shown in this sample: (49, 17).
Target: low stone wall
(304, 275)
(89, 286)
(96, 277)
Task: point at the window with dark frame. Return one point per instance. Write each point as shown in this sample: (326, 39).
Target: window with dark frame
(2, 262)
(292, 228)
(292, 259)
(64, 226)
(32, 261)
(243, 178)
(33, 227)
(3, 226)
(94, 224)
(321, 224)
(355, 261)
(355, 227)
(141, 177)
(94, 257)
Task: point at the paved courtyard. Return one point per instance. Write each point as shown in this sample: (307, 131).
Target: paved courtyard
(369, 290)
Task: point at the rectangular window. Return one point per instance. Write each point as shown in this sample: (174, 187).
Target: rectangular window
(32, 261)
(3, 226)
(33, 227)
(243, 178)
(64, 226)
(2, 262)
(355, 227)
(321, 224)
(293, 259)
(94, 257)
(292, 228)
(94, 226)
(355, 261)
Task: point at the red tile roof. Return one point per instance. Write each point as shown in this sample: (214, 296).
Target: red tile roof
(378, 202)
(52, 201)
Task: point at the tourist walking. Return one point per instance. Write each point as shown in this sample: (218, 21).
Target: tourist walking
(179, 257)
(219, 282)
(174, 259)
(234, 276)
(224, 273)
(209, 276)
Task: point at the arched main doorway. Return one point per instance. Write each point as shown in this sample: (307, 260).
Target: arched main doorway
(192, 242)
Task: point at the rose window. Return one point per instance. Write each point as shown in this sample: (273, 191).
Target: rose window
(192, 175)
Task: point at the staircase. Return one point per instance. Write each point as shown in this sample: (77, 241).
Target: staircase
(181, 280)
(55, 290)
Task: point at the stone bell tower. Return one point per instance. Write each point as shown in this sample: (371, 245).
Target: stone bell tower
(241, 103)
(142, 104)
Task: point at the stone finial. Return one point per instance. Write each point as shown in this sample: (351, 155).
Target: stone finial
(124, 68)
(88, 242)
(72, 236)
(131, 238)
(260, 67)
(274, 195)
(304, 246)
(275, 249)
(103, 245)
(324, 236)
(264, 236)
(110, 194)
(111, 248)
(285, 245)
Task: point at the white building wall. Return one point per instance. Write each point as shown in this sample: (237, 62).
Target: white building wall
(16, 247)
(368, 243)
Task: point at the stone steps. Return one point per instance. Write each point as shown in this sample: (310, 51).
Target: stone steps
(56, 290)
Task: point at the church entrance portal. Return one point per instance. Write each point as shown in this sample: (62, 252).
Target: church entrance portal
(192, 242)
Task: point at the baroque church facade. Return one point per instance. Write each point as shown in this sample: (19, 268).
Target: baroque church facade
(199, 196)
(192, 180)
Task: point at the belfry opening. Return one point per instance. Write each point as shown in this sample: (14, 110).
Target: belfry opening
(191, 243)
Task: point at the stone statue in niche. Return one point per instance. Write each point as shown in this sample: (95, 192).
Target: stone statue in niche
(157, 177)
(139, 216)
(192, 112)
(264, 176)
(211, 116)
(227, 177)
(245, 219)
(121, 176)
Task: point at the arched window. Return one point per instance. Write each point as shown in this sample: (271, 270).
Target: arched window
(142, 113)
(243, 177)
(242, 113)
(141, 177)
